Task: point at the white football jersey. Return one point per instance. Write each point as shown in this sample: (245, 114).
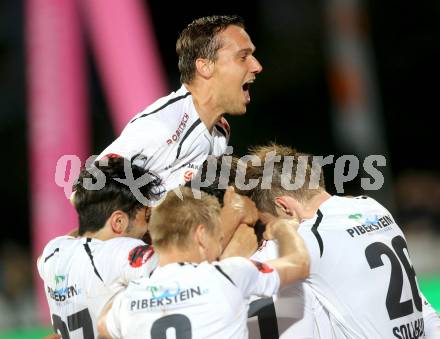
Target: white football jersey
(81, 274)
(191, 301)
(362, 283)
(431, 319)
(171, 139)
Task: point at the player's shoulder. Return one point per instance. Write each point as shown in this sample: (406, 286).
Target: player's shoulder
(245, 263)
(162, 119)
(123, 244)
(369, 209)
(164, 108)
(358, 201)
(56, 243)
(233, 261)
(347, 207)
(233, 265)
(134, 252)
(124, 259)
(367, 200)
(49, 255)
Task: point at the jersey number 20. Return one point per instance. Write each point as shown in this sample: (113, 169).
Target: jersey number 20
(395, 307)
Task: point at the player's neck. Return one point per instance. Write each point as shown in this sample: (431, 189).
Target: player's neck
(205, 104)
(102, 234)
(312, 206)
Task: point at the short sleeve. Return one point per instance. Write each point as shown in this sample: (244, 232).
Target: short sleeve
(142, 260)
(251, 277)
(49, 251)
(125, 259)
(267, 251)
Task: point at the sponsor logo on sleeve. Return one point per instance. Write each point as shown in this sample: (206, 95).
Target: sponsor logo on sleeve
(140, 255)
(262, 267)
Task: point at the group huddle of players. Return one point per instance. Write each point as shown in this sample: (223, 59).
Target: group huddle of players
(221, 262)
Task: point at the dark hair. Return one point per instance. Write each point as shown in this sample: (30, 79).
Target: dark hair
(94, 206)
(214, 182)
(199, 40)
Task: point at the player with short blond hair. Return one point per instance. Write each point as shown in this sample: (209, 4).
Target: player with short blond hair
(362, 282)
(192, 293)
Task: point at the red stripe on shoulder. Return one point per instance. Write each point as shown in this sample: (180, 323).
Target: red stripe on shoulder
(262, 267)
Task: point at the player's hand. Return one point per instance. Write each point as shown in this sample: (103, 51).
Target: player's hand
(243, 243)
(276, 226)
(240, 208)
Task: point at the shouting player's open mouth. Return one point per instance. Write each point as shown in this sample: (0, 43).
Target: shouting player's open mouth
(245, 88)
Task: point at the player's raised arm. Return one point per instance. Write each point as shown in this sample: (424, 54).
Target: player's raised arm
(242, 244)
(293, 263)
(237, 210)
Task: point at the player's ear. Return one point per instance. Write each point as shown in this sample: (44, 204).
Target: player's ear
(204, 67)
(119, 221)
(200, 235)
(288, 206)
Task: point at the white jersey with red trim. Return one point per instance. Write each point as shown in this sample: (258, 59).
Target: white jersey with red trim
(81, 274)
(170, 139)
(194, 301)
(362, 283)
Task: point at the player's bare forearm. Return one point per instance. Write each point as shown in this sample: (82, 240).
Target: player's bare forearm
(242, 244)
(229, 223)
(237, 210)
(294, 262)
(102, 322)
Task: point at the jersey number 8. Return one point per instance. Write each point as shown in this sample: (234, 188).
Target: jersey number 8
(179, 322)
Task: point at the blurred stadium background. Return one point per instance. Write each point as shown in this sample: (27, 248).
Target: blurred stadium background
(340, 77)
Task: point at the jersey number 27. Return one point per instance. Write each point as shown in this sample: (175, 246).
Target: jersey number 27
(75, 321)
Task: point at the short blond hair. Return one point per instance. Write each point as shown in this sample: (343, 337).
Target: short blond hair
(175, 219)
(265, 198)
